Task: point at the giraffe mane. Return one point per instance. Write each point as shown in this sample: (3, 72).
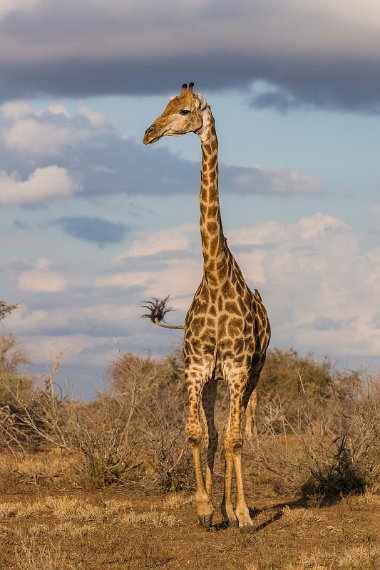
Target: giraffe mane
(202, 101)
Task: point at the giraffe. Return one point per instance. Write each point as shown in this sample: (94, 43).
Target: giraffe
(227, 329)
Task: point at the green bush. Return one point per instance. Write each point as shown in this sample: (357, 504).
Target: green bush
(13, 387)
(287, 376)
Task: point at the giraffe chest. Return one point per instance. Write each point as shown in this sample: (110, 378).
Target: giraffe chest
(224, 323)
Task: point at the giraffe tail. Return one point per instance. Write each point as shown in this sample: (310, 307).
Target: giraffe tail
(157, 310)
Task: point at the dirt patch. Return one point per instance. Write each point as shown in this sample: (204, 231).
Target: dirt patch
(128, 529)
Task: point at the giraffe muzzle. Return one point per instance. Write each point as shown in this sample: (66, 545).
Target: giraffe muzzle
(151, 136)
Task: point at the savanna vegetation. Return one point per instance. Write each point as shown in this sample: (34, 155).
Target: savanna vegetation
(107, 483)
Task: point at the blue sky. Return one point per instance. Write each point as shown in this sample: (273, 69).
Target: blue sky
(93, 222)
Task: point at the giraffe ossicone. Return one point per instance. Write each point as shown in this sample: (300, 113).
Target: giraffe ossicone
(227, 329)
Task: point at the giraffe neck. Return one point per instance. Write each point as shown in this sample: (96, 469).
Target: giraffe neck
(214, 247)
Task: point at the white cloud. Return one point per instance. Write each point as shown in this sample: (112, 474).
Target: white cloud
(74, 349)
(151, 243)
(319, 286)
(15, 109)
(126, 279)
(29, 136)
(271, 233)
(57, 321)
(176, 277)
(49, 131)
(18, 6)
(40, 279)
(277, 181)
(94, 118)
(42, 185)
(87, 335)
(56, 110)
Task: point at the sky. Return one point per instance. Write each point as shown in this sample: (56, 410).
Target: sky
(93, 222)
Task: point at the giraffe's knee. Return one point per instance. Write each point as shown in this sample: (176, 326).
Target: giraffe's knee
(193, 431)
(233, 442)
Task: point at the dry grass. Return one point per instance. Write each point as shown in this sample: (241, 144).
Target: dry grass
(364, 557)
(79, 510)
(362, 502)
(52, 468)
(150, 518)
(31, 555)
(108, 530)
(64, 508)
(302, 516)
(357, 557)
(176, 500)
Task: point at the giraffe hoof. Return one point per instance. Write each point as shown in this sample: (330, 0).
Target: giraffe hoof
(205, 521)
(233, 523)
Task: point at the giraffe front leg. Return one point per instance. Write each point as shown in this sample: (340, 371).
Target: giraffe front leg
(226, 506)
(242, 511)
(194, 434)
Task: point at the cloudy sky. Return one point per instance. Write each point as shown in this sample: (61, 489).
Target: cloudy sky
(93, 222)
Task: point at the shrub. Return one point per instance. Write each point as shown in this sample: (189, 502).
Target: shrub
(287, 376)
(160, 396)
(98, 435)
(330, 450)
(13, 386)
(12, 359)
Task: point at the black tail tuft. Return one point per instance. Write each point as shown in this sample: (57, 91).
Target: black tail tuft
(157, 309)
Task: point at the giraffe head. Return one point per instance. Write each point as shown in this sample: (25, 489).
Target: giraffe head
(182, 115)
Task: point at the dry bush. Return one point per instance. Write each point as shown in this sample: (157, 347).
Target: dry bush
(36, 418)
(13, 384)
(12, 356)
(135, 428)
(95, 434)
(15, 390)
(322, 442)
(99, 434)
(167, 447)
(159, 419)
(331, 449)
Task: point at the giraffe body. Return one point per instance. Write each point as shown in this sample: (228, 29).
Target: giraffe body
(227, 329)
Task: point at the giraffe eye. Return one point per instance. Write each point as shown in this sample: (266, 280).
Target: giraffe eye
(184, 112)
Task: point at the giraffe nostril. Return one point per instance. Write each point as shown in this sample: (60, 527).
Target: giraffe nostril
(149, 131)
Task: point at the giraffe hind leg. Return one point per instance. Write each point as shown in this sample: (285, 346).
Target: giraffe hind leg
(250, 415)
(208, 403)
